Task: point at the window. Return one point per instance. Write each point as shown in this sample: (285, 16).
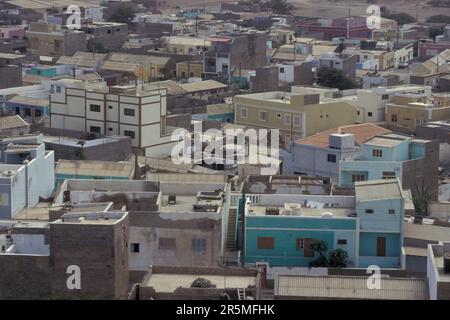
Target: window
(130, 134)
(377, 153)
(369, 211)
(128, 112)
(369, 114)
(297, 121)
(391, 211)
(300, 244)
(357, 177)
(167, 244)
(263, 116)
(95, 129)
(58, 89)
(385, 97)
(135, 247)
(342, 241)
(94, 108)
(278, 115)
(394, 118)
(198, 245)
(287, 119)
(331, 158)
(110, 129)
(388, 175)
(37, 113)
(244, 112)
(281, 70)
(110, 107)
(266, 243)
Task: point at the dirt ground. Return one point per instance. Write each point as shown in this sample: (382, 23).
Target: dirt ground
(340, 8)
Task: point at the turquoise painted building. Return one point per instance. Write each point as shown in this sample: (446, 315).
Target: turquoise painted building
(371, 233)
(381, 157)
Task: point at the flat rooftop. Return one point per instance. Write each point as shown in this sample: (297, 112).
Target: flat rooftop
(170, 282)
(186, 204)
(303, 212)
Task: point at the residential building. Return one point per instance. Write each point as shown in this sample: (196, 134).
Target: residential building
(120, 110)
(350, 27)
(190, 69)
(145, 67)
(27, 173)
(345, 63)
(11, 70)
(105, 36)
(413, 161)
(406, 112)
(13, 126)
(280, 227)
(372, 103)
(295, 115)
(43, 256)
(171, 222)
(50, 40)
(297, 287)
(86, 169)
(225, 282)
(296, 73)
(227, 53)
(186, 45)
(438, 271)
(320, 154)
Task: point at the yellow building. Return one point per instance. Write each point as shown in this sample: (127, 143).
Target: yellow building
(190, 69)
(406, 112)
(295, 115)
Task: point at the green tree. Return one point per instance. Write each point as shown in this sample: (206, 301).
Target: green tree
(401, 18)
(280, 6)
(123, 14)
(421, 200)
(320, 248)
(334, 78)
(440, 18)
(338, 258)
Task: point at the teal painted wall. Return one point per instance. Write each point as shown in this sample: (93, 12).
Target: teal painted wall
(286, 231)
(224, 117)
(368, 250)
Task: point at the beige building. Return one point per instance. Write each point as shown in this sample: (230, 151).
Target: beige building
(50, 40)
(408, 111)
(186, 45)
(295, 115)
(190, 69)
(120, 110)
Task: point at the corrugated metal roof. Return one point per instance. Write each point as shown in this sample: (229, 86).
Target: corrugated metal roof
(348, 287)
(378, 190)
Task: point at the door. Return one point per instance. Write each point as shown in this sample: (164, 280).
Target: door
(381, 246)
(307, 251)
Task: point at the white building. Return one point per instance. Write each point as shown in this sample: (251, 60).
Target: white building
(26, 174)
(120, 110)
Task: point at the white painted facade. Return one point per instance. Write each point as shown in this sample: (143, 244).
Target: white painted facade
(140, 116)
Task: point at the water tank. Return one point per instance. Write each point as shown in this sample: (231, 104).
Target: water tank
(341, 141)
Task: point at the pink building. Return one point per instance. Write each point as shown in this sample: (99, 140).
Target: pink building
(10, 33)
